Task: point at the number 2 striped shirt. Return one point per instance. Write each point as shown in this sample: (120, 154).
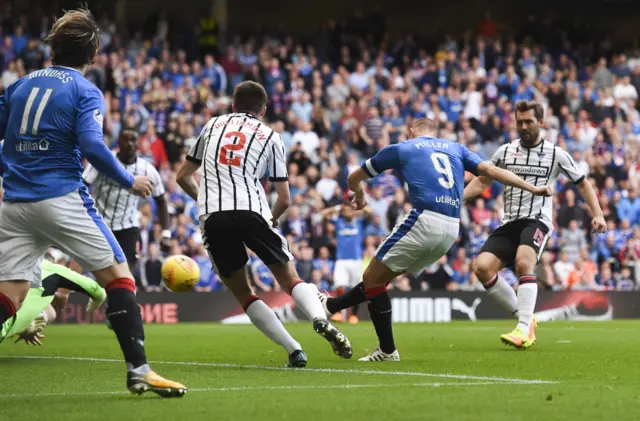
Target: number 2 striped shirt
(234, 152)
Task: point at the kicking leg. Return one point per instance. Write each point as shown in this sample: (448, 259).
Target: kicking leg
(486, 269)
(305, 296)
(350, 298)
(263, 317)
(375, 280)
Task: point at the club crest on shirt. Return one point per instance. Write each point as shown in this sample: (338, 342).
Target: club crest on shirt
(97, 116)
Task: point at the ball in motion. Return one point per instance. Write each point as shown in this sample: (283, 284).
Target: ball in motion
(180, 273)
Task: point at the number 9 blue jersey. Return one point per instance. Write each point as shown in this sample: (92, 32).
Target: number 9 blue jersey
(433, 169)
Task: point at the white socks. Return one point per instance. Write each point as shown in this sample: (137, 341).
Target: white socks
(527, 295)
(503, 294)
(142, 370)
(266, 320)
(306, 298)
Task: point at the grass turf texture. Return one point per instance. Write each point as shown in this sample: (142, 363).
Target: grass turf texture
(594, 367)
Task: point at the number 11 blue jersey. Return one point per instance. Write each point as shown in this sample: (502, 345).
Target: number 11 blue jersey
(433, 169)
(49, 119)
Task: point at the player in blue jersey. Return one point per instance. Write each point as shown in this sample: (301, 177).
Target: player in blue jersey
(349, 238)
(434, 170)
(49, 120)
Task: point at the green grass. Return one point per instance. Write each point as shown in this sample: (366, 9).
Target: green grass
(594, 366)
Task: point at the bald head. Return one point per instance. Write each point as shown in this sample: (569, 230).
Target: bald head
(422, 127)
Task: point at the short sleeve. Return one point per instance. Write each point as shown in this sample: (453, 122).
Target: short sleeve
(278, 161)
(91, 110)
(498, 155)
(568, 167)
(196, 152)
(90, 174)
(156, 181)
(470, 160)
(387, 159)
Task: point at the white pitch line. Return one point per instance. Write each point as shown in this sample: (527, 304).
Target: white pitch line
(315, 370)
(253, 388)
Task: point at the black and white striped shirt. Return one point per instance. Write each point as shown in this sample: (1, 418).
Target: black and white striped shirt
(119, 207)
(540, 166)
(234, 151)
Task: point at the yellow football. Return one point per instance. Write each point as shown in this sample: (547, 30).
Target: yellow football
(180, 273)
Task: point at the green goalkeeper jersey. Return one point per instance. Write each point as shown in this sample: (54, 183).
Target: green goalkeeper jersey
(39, 298)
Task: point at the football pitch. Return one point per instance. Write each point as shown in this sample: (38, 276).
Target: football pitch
(454, 371)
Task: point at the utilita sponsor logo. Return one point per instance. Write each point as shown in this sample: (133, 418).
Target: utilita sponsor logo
(448, 200)
(430, 310)
(165, 313)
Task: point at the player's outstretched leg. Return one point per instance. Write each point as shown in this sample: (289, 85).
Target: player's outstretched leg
(375, 280)
(126, 320)
(305, 296)
(59, 278)
(486, 268)
(263, 317)
(351, 298)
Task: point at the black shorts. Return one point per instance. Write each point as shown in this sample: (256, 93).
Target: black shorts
(504, 241)
(129, 238)
(228, 233)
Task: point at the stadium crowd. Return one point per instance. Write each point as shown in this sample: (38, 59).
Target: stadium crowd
(342, 97)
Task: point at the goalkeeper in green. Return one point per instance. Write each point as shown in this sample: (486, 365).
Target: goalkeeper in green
(43, 304)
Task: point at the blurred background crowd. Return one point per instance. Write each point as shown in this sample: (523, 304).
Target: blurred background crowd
(351, 89)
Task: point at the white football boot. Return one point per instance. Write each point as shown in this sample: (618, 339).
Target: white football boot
(378, 355)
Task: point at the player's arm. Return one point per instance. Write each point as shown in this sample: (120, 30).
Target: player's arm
(89, 175)
(331, 212)
(279, 176)
(191, 165)
(89, 122)
(475, 165)
(508, 178)
(386, 159)
(568, 167)
(161, 205)
(476, 187)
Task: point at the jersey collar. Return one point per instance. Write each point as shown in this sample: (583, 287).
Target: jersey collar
(531, 147)
(246, 115)
(66, 67)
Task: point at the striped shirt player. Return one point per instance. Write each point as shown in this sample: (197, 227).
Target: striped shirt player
(526, 214)
(232, 153)
(118, 206)
(235, 151)
(527, 224)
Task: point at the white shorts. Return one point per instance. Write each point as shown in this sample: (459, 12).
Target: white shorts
(418, 241)
(347, 273)
(69, 223)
